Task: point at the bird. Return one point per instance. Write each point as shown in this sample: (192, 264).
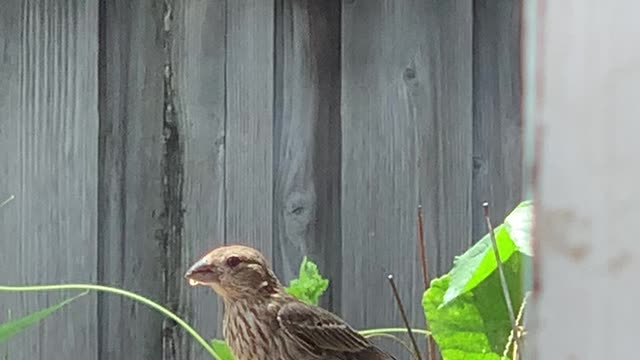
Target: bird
(263, 322)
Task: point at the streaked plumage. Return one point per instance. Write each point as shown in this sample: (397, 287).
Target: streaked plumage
(263, 322)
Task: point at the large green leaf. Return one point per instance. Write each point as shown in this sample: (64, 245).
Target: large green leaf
(13, 327)
(475, 325)
(466, 309)
(477, 263)
(309, 285)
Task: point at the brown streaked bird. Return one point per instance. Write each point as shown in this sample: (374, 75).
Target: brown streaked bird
(263, 322)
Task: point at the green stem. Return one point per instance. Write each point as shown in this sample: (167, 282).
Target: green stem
(168, 313)
(125, 293)
(391, 330)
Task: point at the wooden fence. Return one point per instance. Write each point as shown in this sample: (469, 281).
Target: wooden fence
(136, 134)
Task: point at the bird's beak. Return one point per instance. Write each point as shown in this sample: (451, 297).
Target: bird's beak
(201, 273)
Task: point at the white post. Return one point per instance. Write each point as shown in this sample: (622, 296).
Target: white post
(586, 304)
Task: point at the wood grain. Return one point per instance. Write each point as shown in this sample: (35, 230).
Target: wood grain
(586, 184)
(407, 131)
(249, 129)
(497, 125)
(306, 203)
(48, 159)
(300, 127)
(131, 177)
(198, 90)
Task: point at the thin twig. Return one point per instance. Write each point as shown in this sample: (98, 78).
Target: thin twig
(431, 346)
(404, 316)
(7, 201)
(423, 252)
(503, 280)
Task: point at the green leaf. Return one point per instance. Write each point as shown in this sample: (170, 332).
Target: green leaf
(221, 348)
(477, 263)
(466, 309)
(309, 285)
(475, 325)
(13, 327)
(519, 224)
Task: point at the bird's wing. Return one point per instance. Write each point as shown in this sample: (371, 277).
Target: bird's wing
(318, 330)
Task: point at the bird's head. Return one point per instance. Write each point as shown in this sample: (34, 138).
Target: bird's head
(234, 272)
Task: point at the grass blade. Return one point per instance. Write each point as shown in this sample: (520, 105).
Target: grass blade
(131, 295)
(14, 327)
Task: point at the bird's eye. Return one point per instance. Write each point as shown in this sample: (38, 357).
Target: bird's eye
(233, 261)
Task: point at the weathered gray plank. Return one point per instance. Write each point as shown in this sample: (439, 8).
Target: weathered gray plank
(48, 159)
(131, 182)
(196, 136)
(307, 139)
(198, 64)
(447, 145)
(407, 128)
(497, 131)
(248, 140)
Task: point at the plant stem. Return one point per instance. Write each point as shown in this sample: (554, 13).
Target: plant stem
(431, 346)
(368, 332)
(503, 279)
(124, 293)
(404, 316)
(421, 245)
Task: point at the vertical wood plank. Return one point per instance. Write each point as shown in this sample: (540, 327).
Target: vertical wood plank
(48, 159)
(131, 181)
(497, 125)
(407, 130)
(248, 141)
(198, 63)
(307, 140)
(586, 183)
(446, 141)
